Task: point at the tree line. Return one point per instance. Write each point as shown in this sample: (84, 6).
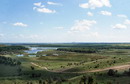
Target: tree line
(11, 49)
(9, 61)
(79, 50)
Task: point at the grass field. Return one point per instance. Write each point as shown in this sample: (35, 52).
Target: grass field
(63, 67)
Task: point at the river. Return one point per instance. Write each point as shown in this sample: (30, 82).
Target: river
(34, 50)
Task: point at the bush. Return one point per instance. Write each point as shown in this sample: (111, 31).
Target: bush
(111, 72)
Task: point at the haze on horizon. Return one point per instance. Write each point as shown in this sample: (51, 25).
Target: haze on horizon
(64, 21)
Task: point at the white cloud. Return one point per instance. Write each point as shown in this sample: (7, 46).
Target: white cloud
(124, 25)
(53, 3)
(38, 4)
(82, 25)
(120, 26)
(106, 13)
(41, 8)
(45, 10)
(122, 16)
(34, 8)
(90, 14)
(127, 21)
(96, 3)
(20, 24)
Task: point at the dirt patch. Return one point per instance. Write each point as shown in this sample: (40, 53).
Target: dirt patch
(39, 66)
(121, 67)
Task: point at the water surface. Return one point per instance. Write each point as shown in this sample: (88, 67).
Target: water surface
(33, 51)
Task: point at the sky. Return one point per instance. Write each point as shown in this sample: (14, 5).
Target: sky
(42, 21)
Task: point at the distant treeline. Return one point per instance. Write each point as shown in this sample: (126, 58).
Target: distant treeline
(82, 45)
(79, 50)
(92, 48)
(86, 45)
(11, 49)
(9, 61)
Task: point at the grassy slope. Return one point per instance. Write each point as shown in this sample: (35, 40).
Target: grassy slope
(55, 63)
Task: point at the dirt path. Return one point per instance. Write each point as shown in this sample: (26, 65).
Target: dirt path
(39, 66)
(119, 67)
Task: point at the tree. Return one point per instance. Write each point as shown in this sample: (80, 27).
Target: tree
(90, 80)
(83, 80)
(111, 72)
(40, 81)
(32, 68)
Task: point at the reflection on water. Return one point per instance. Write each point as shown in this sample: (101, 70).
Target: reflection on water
(34, 50)
(20, 55)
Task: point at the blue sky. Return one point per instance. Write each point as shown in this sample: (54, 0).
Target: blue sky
(64, 21)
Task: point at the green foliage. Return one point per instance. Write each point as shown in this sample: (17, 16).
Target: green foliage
(12, 48)
(79, 50)
(86, 45)
(68, 66)
(9, 61)
(111, 72)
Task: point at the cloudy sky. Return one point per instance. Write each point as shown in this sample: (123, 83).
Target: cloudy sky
(64, 21)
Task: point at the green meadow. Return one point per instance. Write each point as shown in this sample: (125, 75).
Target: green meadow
(68, 64)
